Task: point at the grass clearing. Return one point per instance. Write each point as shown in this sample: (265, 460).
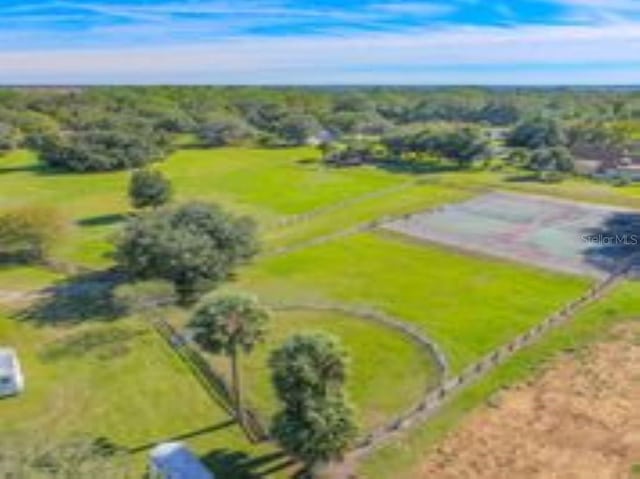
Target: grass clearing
(398, 459)
(267, 184)
(119, 381)
(469, 305)
(383, 360)
(132, 390)
(579, 189)
(410, 198)
(26, 278)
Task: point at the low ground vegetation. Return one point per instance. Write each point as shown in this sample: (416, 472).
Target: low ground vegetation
(92, 373)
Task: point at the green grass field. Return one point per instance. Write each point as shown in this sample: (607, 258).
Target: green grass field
(383, 360)
(267, 184)
(468, 304)
(127, 385)
(26, 278)
(118, 381)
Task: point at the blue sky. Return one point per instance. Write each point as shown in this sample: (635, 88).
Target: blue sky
(320, 42)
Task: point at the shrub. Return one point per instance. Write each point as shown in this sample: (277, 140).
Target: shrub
(27, 233)
(149, 188)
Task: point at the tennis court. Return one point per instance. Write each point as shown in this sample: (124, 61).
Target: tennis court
(562, 235)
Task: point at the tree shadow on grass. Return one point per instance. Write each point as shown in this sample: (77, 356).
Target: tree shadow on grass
(240, 465)
(32, 168)
(83, 297)
(523, 178)
(613, 242)
(101, 220)
(416, 167)
(182, 437)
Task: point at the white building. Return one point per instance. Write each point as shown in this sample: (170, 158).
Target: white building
(173, 460)
(11, 378)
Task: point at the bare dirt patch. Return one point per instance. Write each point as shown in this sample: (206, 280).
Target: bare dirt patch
(579, 420)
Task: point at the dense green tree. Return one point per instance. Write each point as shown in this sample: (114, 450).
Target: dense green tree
(557, 159)
(149, 188)
(357, 123)
(316, 424)
(307, 367)
(320, 432)
(101, 150)
(9, 137)
(195, 246)
(230, 324)
(536, 133)
(226, 131)
(464, 145)
(298, 129)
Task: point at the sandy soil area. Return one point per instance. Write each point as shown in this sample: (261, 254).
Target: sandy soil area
(579, 420)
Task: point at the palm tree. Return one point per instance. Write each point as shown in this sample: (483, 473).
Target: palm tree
(230, 324)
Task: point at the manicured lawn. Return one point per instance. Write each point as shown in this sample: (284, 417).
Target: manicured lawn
(275, 182)
(579, 189)
(410, 197)
(468, 304)
(267, 184)
(383, 360)
(399, 459)
(118, 381)
(128, 387)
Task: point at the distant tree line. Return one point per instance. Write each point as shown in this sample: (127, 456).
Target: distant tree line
(98, 129)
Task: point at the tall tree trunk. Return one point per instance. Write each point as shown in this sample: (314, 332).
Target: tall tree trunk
(237, 387)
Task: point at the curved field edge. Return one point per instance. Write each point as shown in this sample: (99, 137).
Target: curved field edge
(468, 305)
(382, 360)
(399, 459)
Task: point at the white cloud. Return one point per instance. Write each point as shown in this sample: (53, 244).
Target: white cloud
(419, 55)
(414, 8)
(593, 11)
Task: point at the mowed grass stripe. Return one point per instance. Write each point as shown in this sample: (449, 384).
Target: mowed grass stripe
(468, 304)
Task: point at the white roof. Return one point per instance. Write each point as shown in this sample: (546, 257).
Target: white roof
(175, 461)
(8, 361)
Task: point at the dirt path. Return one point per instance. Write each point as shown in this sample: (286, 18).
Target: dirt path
(579, 420)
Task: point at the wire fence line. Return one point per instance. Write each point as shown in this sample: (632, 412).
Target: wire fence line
(291, 220)
(407, 329)
(214, 384)
(433, 400)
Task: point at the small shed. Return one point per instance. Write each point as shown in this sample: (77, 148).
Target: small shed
(11, 378)
(174, 460)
